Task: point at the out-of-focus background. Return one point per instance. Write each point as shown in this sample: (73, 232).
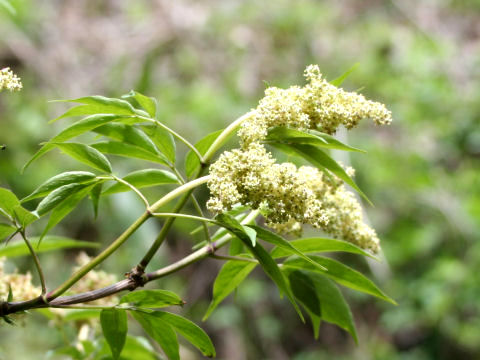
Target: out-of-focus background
(207, 63)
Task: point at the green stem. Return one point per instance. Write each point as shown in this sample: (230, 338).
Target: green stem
(186, 188)
(233, 258)
(126, 183)
(36, 260)
(184, 216)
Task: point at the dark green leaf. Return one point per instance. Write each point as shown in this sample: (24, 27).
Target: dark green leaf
(161, 332)
(340, 273)
(148, 103)
(58, 181)
(114, 327)
(6, 230)
(191, 161)
(8, 201)
(163, 140)
(87, 155)
(321, 160)
(127, 150)
(338, 81)
(95, 197)
(98, 105)
(268, 264)
(49, 243)
(57, 196)
(143, 178)
(322, 298)
(189, 330)
(230, 276)
(65, 207)
(314, 245)
(10, 294)
(281, 243)
(151, 298)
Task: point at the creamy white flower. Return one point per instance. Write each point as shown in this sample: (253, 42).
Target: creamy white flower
(9, 81)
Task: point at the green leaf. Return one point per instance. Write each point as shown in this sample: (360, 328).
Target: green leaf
(126, 150)
(65, 207)
(322, 298)
(114, 327)
(151, 299)
(340, 273)
(130, 135)
(268, 264)
(191, 161)
(143, 178)
(49, 243)
(161, 332)
(87, 155)
(57, 196)
(98, 105)
(321, 160)
(228, 279)
(163, 140)
(189, 330)
(23, 216)
(6, 230)
(77, 314)
(7, 6)
(10, 294)
(95, 197)
(148, 103)
(338, 81)
(8, 201)
(58, 181)
(314, 245)
(332, 143)
(138, 349)
(277, 240)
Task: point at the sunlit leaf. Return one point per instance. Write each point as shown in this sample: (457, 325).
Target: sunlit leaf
(23, 216)
(49, 243)
(163, 140)
(143, 178)
(192, 163)
(147, 103)
(151, 298)
(87, 155)
(8, 201)
(6, 230)
(127, 150)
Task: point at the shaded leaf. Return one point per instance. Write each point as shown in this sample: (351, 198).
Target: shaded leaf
(95, 197)
(6, 230)
(151, 298)
(49, 243)
(58, 181)
(143, 178)
(148, 103)
(192, 163)
(127, 150)
(8, 201)
(57, 196)
(339, 80)
(163, 140)
(228, 279)
(114, 327)
(87, 155)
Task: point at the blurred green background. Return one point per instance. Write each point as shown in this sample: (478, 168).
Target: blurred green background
(207, 63)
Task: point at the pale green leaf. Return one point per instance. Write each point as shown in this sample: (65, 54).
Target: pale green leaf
(151, 298)
(49, 243)
(127, 150)
(143, 178)
(87, 155)
(192, 163)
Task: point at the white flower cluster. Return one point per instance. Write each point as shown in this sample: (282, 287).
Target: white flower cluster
(318, 105)
(21, 285)
(9, 81)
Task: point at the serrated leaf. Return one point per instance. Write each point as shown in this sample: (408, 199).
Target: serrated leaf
(311, 137)
(161, 332)
(57, 196)
(87, 155)
(192, 163)
(151, 298)
(8, 201)
(163, 140)
(147, 103)
(315, 245)
(98, 105)
(277, 240)
(114, 327)
(231, 275)
(340, 273)
(49, 243)
(143, 178)
(268, 264)
(6, 230)
(65, 207)
(321, 160)
(189, 330)
(95, 197)
(339, 80)
(322, 298)
(127, 150)
(58, 181)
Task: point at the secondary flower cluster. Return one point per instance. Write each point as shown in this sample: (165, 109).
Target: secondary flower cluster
(318, 105)
(287, 195)
(21, 285)
(9, 81)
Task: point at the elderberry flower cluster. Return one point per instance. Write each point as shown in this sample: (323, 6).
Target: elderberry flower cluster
(318, 105)
(9, 81)
(20, 284)
(289, 196)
